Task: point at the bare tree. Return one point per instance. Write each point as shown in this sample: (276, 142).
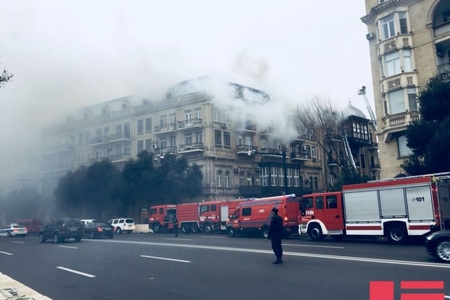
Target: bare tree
(323, 122)
(5, 77)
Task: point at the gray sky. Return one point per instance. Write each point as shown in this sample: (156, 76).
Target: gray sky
(69, 54)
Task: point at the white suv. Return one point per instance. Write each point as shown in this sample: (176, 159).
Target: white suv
(123, 224)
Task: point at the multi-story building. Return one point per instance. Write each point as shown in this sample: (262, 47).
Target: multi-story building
(240, 155)
(409, 43)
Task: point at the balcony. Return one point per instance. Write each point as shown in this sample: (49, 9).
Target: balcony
(299, 156)
(245, 127)
(99, 140)
(246, 149)
(190, 124)
(166, 128)
(441, 29)
(119, 157)
(333, 138)
(120, 137)
(194, 147)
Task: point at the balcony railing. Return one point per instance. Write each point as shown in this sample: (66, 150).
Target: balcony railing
(441, 29)
(192, 147)
(166, 128)
(192, 123)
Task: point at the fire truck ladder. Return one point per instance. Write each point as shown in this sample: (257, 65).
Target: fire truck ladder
(348, 151)
(362, 92)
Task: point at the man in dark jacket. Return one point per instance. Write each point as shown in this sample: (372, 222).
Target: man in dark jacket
(175, 225)
(275, 233)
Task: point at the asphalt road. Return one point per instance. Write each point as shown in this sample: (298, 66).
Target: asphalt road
(214, 267)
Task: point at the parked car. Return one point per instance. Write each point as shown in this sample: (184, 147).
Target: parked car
(61, 229)
(13, 230)
(99, 229)
(438, 245)
(33, 225)
(123, 225)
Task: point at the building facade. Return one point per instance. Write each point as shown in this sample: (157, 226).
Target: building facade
(409, 43)
(238, 156)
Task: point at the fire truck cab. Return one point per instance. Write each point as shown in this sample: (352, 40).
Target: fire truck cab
(157, 214)
(253, 216)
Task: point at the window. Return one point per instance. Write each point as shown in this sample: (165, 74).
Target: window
(296, 177)
(387, 23)
(148, 145)
(216, 115)
(198, 113)
(214, 207)
(274, 176)
(396, 102)
(163, 143)
(407, 62)
(140, 126)
(140, 146)
(198, 137)
(313, 152)
(98, 133)
(119, 130)
(227, 179)
(412, 100)
(148, 124)
(392, 64)
(172, 120)
(161, 210)
(173, 142)
(218, 137)
(264, 176)
(162, 121)
(280, 177)
(187, 116)
(403, 22)
(247, 211)
(331, 201)
(188, 139)
(319, 202)
(226, 139)
(219, 178)
(204, 208)
(240, 141)
(403, 149)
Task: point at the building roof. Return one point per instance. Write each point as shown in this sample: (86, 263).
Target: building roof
(350, 110)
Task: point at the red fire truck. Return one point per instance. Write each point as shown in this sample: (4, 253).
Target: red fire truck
(395, 208)
(205, 216)
(253, 216)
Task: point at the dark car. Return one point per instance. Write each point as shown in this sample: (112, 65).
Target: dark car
(99, 229)
(438, 245)
(62, 229)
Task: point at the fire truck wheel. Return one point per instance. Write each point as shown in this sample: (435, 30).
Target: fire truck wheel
(315, 233)
(265, 232)
(443, 250)
(156, 228)
(207, 228)
(397, 234)
(230, 231)
(185, 228)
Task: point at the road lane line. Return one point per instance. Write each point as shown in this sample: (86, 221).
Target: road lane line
(76, 272)
(298, 254)
(17, 242)
(70, 247)
(312, 246)
(175, 238)
(164, 258)
(7, 253)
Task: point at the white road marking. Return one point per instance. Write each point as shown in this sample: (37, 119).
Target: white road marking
(76, 272)
(7, 253)
(298, 254)
(70, 247)
(175, 238)
(16, 242)
(214, 237)
(164, 258)
(313, 246)
(446, 297)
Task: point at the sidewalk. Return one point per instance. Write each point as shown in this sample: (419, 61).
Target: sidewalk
(11, 289)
